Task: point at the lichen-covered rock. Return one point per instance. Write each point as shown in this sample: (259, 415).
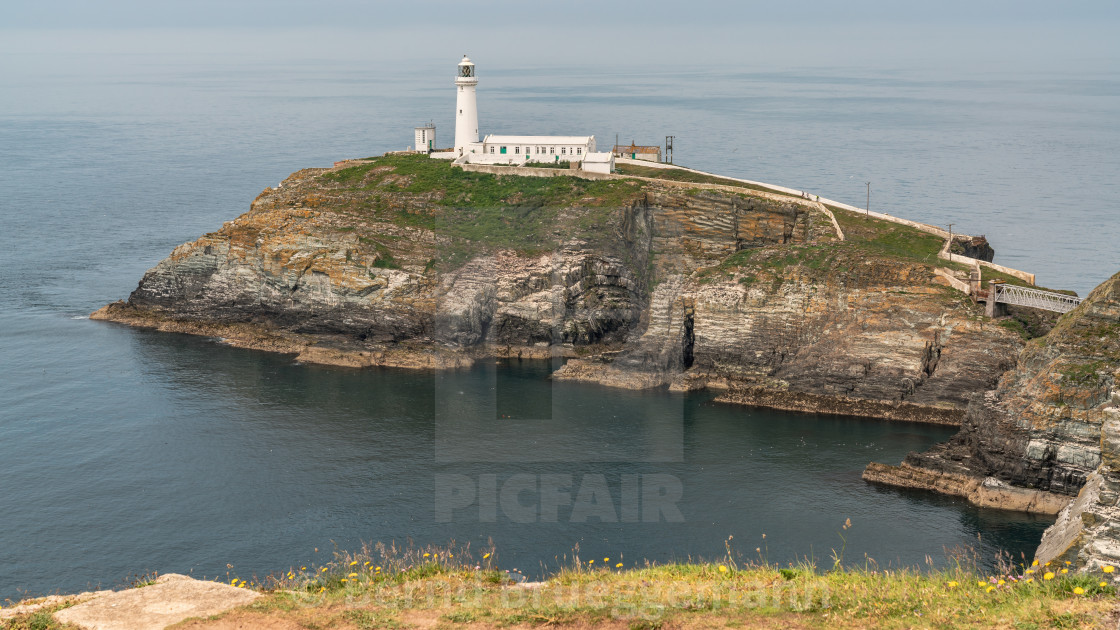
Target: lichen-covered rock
(405, 261)
(1050, 426)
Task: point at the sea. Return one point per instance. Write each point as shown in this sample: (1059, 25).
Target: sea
(127, 451)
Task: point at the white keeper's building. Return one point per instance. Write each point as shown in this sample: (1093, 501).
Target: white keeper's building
(538, 148)
(512, 150)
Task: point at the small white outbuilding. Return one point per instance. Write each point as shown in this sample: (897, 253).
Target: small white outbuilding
(598, 162)
(426, 138)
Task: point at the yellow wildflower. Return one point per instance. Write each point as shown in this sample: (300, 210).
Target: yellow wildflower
(427, 554)
(1035, 563)
(1077, 590)
(378, 568)
(722, 569)
(1065, 571)
(618, 566)
(485, 556)
(324, 569)
(1048, 576)
(1108, 568)
(353, 563)
(990, 589)
(1068, 563)
(980, 583)
(953, 584)
(353, 575)
(591, 561)
(1001, 582)
(343, 579)
(1029, 571)
(303, 568)
(1103, 584)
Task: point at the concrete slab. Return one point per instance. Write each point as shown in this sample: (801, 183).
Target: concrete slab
(170, 600)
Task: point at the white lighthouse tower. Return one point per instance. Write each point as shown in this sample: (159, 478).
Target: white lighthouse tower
(466, 107)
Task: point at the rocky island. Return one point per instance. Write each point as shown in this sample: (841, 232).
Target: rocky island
(667, 278)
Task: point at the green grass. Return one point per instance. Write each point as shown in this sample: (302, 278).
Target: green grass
(421, 175)
(41, 619)
(888, 238)
(480, 211)
(561, 165)
(459, 587)
(1083, 373)
(452, 586)
(987, 273)
(678, 175)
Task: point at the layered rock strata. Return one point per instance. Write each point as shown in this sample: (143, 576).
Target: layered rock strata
(396, 262)
(1046, 429)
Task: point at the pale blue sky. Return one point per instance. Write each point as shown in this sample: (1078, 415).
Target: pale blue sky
(597, 14)
(974, 34)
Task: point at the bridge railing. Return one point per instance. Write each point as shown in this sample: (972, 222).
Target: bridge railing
(1035, 298)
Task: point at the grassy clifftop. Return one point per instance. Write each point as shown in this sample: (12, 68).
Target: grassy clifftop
(448, 588)
(476, 210)
(531, 214)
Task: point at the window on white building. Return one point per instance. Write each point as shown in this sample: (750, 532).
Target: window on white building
(551, 150)
(491, 149)
(563, 151)
(517, 149)
(579, 150)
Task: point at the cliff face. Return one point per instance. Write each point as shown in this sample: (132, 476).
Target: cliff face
(856, 335)
(406, 261)
(1038, 436)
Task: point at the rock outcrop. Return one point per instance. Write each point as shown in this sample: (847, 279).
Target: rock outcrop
(404, 261)
(1049, 431)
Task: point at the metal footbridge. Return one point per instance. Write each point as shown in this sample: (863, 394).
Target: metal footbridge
(1034, 298)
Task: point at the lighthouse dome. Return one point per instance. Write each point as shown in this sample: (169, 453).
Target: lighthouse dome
(466, 69)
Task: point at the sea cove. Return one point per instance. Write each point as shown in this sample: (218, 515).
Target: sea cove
(126, 450)
(264, 461)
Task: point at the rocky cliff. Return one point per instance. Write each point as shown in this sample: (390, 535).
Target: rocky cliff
(1049, 427)
(406, 261)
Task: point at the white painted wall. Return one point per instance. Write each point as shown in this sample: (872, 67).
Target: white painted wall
(536, 149)
(425, 138)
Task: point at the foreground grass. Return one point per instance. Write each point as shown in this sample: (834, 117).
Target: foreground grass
(387, 588)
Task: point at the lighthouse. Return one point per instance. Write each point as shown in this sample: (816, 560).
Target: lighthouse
(466, 107)
(564, 151)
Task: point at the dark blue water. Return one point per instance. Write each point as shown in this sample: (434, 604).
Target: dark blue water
(123, 451)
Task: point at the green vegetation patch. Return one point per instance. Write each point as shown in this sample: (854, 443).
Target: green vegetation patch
(1083, 373)
(561, 165)
(480, 211)
(679, 175)
(389, 587)
(987, 273)
(889, 238)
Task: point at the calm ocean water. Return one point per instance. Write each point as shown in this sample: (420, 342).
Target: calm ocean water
(123, 451)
